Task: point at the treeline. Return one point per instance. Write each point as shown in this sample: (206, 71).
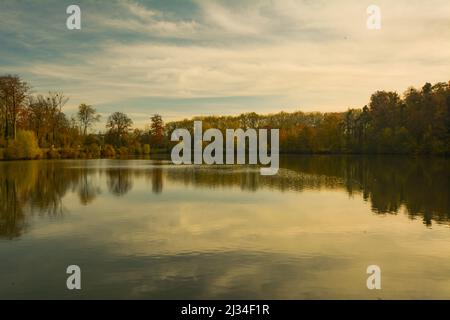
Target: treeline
(33, 126)
(416, 123)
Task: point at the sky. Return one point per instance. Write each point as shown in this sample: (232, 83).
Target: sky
(182, 58)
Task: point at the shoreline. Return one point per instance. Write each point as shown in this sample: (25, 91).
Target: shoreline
(164, 156)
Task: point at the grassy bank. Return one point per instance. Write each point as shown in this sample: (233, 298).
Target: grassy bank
(93, 152)
(25, 147)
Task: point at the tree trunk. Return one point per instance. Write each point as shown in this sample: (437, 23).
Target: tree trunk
(14, 120)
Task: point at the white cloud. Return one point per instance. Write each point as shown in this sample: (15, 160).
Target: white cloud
(317, 55)
(140, 19)
(139, 10)
(250, 23)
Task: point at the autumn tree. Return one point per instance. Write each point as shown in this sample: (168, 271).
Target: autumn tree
(87, 117)
(157, 130)
(13, 94)
(385, 109)
(45, 117)
(118, 126)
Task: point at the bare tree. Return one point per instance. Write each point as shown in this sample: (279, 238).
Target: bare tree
(13, 94)
(87, 116)
(45, 117)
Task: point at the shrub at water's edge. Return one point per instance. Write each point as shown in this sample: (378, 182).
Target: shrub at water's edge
(25, 146)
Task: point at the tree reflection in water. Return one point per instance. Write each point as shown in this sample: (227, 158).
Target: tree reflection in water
(29, 188)
(119, 181)
(418, 185)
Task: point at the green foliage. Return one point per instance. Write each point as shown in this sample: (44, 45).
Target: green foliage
(93, 151)
(25, 146)
(146, 149)
(403, 142)
(135, 148)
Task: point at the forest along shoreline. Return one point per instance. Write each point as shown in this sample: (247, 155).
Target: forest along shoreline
(35, 127)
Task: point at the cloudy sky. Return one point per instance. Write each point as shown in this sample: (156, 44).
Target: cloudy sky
(182, 58)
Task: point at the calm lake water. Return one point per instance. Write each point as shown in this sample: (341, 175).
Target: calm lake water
(148, 229)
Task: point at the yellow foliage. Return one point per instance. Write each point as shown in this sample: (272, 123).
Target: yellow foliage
(25, 146)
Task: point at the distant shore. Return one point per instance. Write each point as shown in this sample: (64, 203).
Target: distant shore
(71, 154)
(414, 123)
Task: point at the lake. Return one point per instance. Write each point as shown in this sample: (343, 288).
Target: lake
(146, 229)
